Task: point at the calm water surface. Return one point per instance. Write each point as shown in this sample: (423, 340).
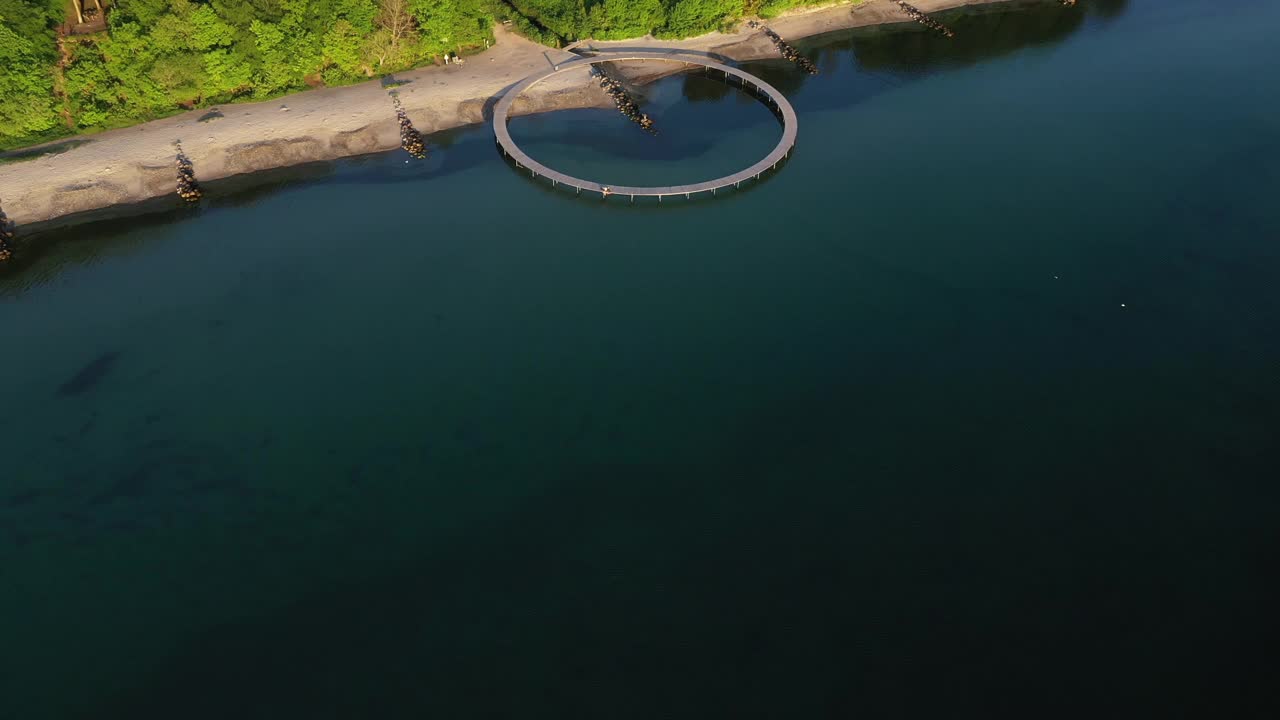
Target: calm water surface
(973, 408)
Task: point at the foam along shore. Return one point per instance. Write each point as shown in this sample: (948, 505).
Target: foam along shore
(136, 163)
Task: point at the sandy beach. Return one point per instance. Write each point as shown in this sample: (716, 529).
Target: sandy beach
(136, 163)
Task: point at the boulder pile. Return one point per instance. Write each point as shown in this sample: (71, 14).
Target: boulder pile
(410, 139)
(623, 101)
(6, 237)
(188, 189)
(790, 53)
(925, 20)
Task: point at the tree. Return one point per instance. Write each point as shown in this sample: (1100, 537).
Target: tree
(449, 24)
(686, 18)
(565, 18)
(181, 77)
(395, 29)
(25, 85)
(341, 50)
(631, 18)
(227, 72)
(209, 30)
(275, 72)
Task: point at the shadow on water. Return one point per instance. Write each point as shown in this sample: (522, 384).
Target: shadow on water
(691, 135)
(90, 375)
(884, 57)
(626, 145)
(1106, 8)
(45, 249)
(673, 204)
(696, 91)
(887, 55)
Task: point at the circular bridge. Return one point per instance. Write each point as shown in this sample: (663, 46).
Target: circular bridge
(767, 94)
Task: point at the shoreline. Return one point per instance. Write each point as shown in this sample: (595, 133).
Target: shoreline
(133, 165)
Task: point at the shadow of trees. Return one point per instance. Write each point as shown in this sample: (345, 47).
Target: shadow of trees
(983, 32)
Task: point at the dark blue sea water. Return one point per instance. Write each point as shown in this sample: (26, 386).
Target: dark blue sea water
(971, 410)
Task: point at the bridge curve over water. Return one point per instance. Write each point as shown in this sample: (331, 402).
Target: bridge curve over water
(768, 94)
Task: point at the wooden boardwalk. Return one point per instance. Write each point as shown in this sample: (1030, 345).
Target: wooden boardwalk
(733, 76)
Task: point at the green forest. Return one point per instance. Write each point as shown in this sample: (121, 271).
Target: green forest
(159, 57)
